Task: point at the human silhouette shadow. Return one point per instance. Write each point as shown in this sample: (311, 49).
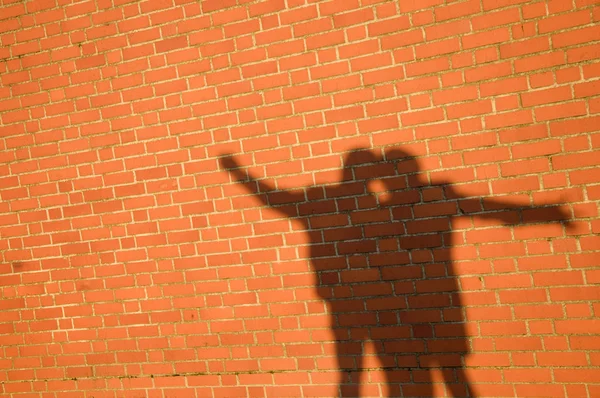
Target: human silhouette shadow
(382, 258)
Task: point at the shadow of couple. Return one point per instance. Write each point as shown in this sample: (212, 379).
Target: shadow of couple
(381, 244)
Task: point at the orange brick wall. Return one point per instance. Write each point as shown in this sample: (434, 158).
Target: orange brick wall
(284, 198)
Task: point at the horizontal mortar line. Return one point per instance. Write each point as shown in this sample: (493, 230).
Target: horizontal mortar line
(230, 373)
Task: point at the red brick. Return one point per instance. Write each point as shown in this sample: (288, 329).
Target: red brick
(133, 250)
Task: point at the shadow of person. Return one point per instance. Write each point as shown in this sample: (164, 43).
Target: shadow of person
(380, 245)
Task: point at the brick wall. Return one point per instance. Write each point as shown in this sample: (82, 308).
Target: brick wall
(237, 198)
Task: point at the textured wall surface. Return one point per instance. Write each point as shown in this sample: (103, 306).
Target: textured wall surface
(238, 198)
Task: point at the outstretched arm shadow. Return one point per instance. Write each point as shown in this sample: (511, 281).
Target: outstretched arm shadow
(282, 200)
(511, 213)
